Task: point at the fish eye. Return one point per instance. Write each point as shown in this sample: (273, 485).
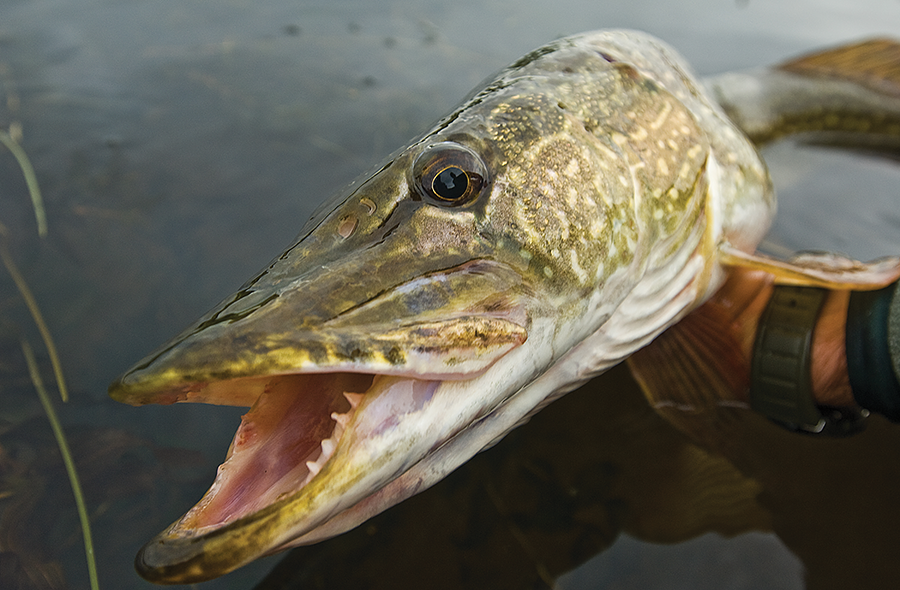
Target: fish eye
(449, 174)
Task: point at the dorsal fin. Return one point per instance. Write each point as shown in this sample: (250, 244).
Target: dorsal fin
(873, 64)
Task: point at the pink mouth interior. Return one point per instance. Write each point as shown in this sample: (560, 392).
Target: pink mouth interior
(282, 442)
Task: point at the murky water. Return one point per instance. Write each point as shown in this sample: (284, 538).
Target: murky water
(180, 146)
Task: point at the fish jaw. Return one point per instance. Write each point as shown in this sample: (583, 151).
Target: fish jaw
(393, 437)
(318, 442)
(396, 343)
(291, 344)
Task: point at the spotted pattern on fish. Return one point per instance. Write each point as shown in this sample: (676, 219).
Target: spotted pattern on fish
(598, 163)
(585, 168)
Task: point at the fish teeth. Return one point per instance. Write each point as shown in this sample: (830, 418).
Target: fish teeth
(328, 445)
(353, 398)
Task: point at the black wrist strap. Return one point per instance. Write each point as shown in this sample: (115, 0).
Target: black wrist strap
(780, 382)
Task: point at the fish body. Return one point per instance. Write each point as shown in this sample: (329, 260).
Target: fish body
(558, 220)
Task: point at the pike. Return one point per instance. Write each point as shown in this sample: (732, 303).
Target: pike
(586, 199)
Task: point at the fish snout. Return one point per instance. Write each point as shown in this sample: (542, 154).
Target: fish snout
(450, 324)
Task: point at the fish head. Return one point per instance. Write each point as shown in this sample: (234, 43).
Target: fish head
(399, 318)
(393, 279)
(433, 305)
(347, 348)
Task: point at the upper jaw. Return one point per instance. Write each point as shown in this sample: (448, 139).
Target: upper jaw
(448, 324)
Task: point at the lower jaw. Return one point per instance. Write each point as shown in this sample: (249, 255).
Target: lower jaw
(292, 431)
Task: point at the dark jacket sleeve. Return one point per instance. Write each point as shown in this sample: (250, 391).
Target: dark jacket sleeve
(873, 350)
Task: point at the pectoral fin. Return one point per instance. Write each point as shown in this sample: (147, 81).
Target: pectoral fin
(696, 371)
(818, 269)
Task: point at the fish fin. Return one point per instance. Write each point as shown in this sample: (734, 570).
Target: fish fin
(818, 269)
(873, 64)
(695, 372)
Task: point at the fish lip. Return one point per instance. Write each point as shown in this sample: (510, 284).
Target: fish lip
(155, 568)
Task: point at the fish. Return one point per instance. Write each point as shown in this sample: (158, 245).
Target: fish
(561, 218)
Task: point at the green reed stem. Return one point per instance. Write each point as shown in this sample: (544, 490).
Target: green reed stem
(67, 460)
(30, 179)
(32, 305)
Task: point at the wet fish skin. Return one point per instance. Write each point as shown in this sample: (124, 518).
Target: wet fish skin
(611, 183)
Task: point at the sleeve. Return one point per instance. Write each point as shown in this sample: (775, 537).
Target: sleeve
(873, 350)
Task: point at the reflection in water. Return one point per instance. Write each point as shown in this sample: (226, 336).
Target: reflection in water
(180, 149)
(124, 478)
(600, 463)
(825, 496)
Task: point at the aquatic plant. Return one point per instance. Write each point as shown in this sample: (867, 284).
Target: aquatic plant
(9, 140)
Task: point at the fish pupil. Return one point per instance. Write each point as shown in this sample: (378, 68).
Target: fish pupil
(448, 174)
(451, 183)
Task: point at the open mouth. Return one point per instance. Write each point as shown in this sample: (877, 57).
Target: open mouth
(285, 439)
(291, 433)
(313, 448)
(300, 422)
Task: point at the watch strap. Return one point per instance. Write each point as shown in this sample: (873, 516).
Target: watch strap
(780, 381)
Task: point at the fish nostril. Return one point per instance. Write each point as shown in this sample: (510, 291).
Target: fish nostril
(369, 204)
(347, 225)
